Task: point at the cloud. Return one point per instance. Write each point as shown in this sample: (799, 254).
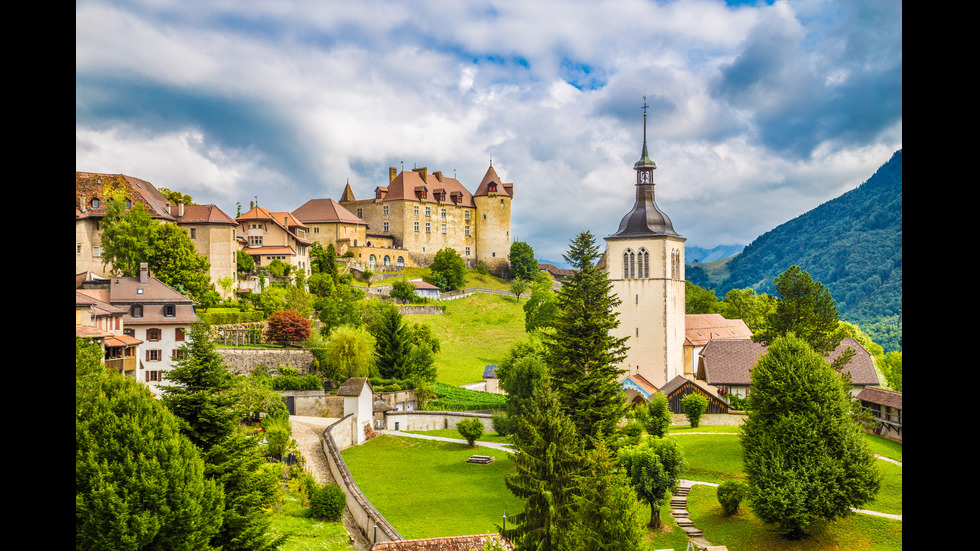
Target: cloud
(757, 111)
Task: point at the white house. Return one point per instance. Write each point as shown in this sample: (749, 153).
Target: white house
(359, 401)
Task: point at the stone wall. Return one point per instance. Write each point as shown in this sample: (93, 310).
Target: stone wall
(241, 361)
(337, 437)
(314, 403)
(433, 420)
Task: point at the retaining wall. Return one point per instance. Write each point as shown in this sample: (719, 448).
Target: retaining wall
(241, 361)
(340, 436)
(433, 420)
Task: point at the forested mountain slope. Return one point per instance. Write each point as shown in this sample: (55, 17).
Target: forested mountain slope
(851, 244)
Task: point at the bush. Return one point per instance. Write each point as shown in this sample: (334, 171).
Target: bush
(694, 407)
(471, 429)
(287, 326)
(328, 502)
(730, 496)
(502, 424)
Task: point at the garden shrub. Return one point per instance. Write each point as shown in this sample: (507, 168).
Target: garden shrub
(694, 407)
(502, 424)
(471, 429)
(328, 502)
(730, 496)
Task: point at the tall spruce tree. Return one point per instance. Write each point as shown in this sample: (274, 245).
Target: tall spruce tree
(606, 506)
(545, 476)
(392, 350)
(203, 397)
(581, 354)
(805, 455)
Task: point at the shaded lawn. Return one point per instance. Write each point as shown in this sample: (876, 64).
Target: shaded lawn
(427, 489)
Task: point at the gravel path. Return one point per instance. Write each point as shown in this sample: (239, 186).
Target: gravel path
(307, 433)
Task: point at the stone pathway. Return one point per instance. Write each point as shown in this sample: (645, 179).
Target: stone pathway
(307, 432)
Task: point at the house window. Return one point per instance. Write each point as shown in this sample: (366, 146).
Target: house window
(153, 355)
(94, 203)
(401, 261)
(467, 251)
(416, 225)
(136, 310)
(193, 233)
(466, 231)
(386, 210)
(78, 248)
(360, 213)
(444, 228)
(179, 334)
(416, 210)
(428, 212)
(385, 226)
(153, 334)
(178, 354)
(466, 215)
(387, 261)
(153, 376)
(169, 310)
(443, 213)
(97, 252)
(428, 227)
(129, 332)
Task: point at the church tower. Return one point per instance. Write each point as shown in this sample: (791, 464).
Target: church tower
(645, 264)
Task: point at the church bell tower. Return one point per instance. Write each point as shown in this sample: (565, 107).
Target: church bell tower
(645, 264)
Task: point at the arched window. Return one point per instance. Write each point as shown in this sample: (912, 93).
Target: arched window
(643, 267)
(401, 261)
(629, 264)
(372, 260)
(387, 260)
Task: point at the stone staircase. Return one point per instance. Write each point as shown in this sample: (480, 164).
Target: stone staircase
(678, 510)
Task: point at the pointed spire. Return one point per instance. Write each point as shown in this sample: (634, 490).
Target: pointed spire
(645, 161)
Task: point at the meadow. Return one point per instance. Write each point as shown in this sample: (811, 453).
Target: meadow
(426, 489)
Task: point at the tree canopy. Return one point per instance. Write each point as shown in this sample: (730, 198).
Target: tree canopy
(523, 264)
(805, 455)
(448, 269)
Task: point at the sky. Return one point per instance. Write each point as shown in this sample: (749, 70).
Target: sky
(757, 111)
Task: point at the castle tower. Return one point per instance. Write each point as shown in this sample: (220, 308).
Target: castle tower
(492, 199)
(645, 264)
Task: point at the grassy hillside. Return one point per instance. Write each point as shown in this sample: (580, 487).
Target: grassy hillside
(475, 331)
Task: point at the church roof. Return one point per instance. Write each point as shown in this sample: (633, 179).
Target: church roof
(700, 328)
(646, 219)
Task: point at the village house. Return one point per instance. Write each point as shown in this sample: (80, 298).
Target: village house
(153, 320)
(267, 236)
(211, 230)
(886, 407)
(329, 223)
(725, 364)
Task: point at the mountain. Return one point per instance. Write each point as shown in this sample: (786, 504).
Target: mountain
(851, 244)
(701, 255)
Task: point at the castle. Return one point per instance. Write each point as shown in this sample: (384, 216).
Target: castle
(419, 213)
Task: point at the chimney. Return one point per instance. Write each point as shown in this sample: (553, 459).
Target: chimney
(180, 209)
(251, 205)
(392, 172)
(422, 172)
(438, 175)
(144, 273)
(81, 203)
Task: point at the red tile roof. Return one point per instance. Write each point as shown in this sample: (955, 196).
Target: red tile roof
(326, 211)
(700, 328)
(883, 396)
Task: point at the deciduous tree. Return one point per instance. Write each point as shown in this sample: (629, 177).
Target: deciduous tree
(450, 267)
(523, 264)
(805, 455)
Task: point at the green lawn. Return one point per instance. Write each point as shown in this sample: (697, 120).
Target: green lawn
(290, 517)
(474, 332)
(425, 488)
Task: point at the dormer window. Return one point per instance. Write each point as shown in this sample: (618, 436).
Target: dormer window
(492, 187)
(169, 310)
(136, 310)
(94, 203)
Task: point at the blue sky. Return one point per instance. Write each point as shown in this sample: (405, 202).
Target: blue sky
(759, 111)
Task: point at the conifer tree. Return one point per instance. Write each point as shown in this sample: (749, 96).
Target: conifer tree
(546, 470)
(203, 397)
(139, 482)
(606, 507)
(581, 354)
(392, 352)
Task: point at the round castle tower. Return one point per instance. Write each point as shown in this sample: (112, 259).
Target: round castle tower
(493, 202)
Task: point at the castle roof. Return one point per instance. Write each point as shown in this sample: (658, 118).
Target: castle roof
(420, 185)
(491, 181)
